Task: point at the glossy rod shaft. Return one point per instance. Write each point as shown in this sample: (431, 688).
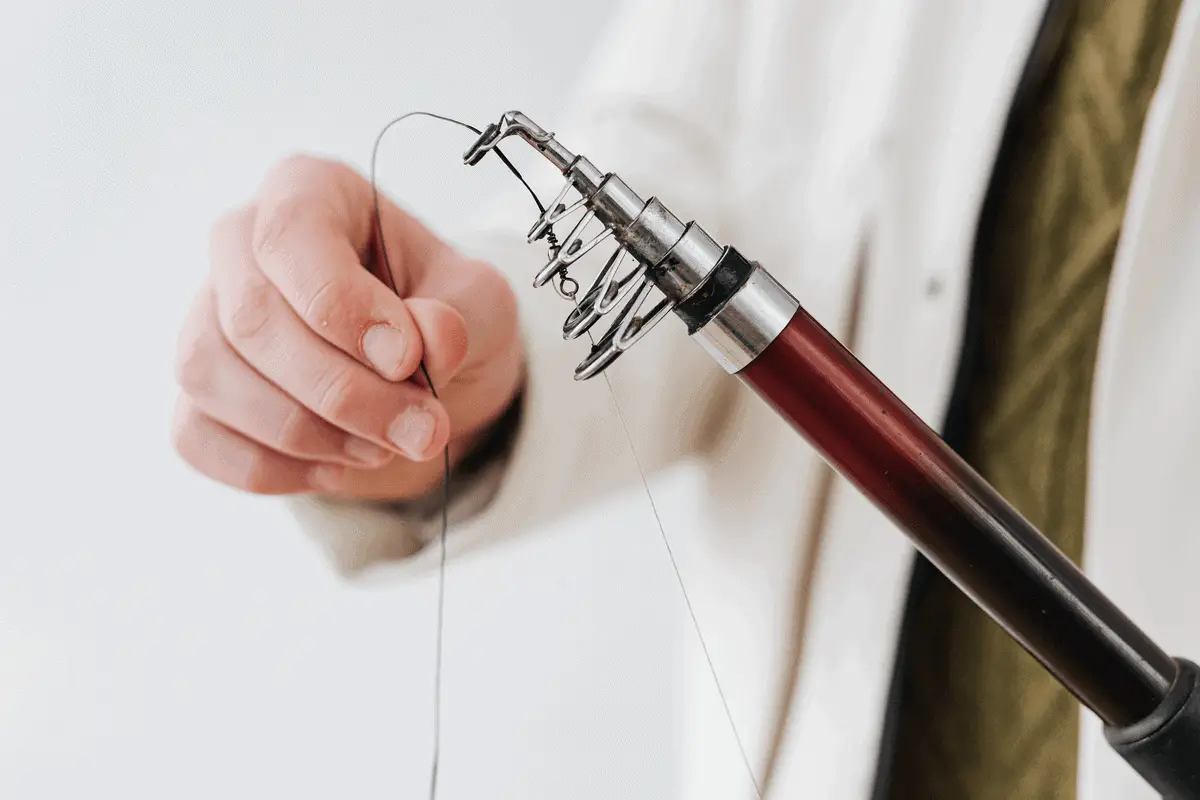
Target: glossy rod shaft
(960, 522)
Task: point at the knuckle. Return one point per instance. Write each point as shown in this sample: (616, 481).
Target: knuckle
(247, 313)
(186, 438)
(294, 189)
(256, 474)
(337, 397)
(298, 187)
(195, 363)
(290, 174)
(229, 225)
(294, 433)
(296, 173)
(329, 299)
(274, 223)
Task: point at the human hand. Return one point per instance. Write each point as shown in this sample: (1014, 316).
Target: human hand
(299, 366)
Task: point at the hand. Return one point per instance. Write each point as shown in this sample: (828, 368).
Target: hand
(299, 365)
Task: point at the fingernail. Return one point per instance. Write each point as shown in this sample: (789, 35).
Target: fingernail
(384, 347)
(366, 453)
(413, 431)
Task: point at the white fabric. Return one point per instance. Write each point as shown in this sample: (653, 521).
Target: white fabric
(844, 144)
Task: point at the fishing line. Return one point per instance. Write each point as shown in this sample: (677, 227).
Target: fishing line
(445, 521)
(441, 602)
(687, 601)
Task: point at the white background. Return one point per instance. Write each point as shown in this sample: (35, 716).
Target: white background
(163, 637)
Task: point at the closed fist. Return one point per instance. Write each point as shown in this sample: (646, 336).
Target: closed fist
(299, 366)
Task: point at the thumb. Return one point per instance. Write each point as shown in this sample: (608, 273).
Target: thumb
(444, 336)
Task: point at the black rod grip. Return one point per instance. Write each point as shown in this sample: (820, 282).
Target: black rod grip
(1164, 747)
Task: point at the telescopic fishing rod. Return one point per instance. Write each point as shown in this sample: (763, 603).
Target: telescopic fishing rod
(755, 329)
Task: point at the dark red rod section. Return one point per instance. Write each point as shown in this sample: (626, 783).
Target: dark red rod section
(961, 523)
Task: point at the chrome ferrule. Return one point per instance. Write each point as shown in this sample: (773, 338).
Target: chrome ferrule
(748, 322)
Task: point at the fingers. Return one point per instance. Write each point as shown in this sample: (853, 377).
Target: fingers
(312, 233)
(222, 386)
(300, 367)
(230, 458)
(265, 332)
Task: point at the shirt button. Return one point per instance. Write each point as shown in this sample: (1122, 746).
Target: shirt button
(934, 287)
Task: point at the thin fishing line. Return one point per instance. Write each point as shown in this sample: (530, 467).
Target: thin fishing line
(553, 242)
(445, 522)
(687, 601)
(441, 598)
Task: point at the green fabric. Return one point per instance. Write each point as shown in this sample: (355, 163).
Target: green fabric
(979, 718)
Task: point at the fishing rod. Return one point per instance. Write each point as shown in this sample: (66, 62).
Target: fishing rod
(755, 329)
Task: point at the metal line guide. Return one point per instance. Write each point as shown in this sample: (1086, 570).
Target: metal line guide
(677, 258)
